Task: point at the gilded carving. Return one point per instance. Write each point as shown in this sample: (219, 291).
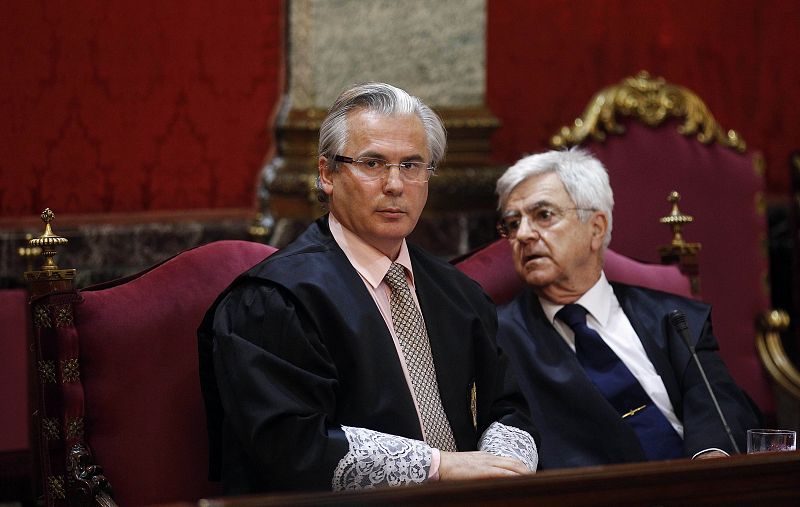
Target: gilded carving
(50, 428)
(55, 486)
(70, 371)
(75, 427)
(47, 372)
(652, 100)
(41, 317)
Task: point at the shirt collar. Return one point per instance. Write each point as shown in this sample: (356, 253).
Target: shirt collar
(597, 301)
(370, 263)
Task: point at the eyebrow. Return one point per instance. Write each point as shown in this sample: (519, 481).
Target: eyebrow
(375, 154)
(529, 207)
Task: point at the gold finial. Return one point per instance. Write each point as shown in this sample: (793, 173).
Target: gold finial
(48, 242)
(49, 277)
(676, 219)
(679, 251)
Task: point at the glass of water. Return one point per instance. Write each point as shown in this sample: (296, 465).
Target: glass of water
(766, 440)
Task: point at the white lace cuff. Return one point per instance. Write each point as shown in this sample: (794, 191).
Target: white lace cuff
(511, 442)
(380, 459)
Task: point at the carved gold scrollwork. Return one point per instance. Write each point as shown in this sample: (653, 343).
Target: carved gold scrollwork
(50, 428)
(47, 372)
(55, 486)
(773, 356)
(651, 100)
(41, 317)
(70, 371)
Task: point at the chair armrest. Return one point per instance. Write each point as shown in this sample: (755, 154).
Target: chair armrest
(89, 479)
(772, 354)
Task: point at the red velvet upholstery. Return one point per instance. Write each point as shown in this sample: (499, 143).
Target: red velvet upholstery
(15, 445)
(493, 268)
(720, 188)
(145, 420)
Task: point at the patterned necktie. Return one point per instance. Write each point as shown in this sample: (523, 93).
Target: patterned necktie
(410, 330)
(658, 438)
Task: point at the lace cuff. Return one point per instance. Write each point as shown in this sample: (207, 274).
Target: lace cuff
(511, 442)
(380, 459)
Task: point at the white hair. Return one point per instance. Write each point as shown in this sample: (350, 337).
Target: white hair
(583, 176)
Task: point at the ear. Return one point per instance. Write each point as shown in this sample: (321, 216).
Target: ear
(599, 225)
(325, 176)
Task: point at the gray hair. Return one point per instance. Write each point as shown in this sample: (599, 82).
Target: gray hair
(383, 99)
(583, 176)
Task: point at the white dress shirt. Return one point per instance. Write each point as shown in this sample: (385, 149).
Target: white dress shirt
(607, 318)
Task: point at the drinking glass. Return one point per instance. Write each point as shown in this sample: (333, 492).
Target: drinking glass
(766, 440)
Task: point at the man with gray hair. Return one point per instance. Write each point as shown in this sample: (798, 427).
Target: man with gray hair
(607, 377)
(351, 359)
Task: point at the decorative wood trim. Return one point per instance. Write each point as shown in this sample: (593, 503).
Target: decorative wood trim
(652, 101)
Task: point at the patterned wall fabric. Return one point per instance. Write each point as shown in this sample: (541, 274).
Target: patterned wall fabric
(123, 106)
(120, 106)
(545, 60)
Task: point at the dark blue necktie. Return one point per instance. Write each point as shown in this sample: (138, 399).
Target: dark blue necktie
(656, 435)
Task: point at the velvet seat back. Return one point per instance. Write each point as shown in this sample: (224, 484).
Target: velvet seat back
(493, 268)
(722, 189)
(144, 415)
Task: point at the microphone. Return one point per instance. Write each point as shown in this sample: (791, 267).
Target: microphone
(678, 321)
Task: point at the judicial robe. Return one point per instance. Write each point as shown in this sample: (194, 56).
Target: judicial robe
(299, 349)
(578, 426)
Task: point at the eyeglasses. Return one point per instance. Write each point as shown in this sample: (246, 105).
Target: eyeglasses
(545, 217)
(369, 168)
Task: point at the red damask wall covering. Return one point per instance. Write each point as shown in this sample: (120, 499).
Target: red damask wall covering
(546, 58)
(127, 106)
(135, 106)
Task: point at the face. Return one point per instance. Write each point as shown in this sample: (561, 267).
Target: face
(560, 261)
(382, 212)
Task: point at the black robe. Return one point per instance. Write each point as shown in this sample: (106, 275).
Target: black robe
(299, 349)
(578, 426)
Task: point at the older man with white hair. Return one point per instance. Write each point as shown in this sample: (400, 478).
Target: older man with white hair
(607, 377)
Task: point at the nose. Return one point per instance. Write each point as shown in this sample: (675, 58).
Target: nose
(526, 231)
(393, 183)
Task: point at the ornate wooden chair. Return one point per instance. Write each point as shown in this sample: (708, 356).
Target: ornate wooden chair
(118, 384)
(654, 137)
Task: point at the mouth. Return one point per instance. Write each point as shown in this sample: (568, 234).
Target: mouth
(532, 258)
(391, 212)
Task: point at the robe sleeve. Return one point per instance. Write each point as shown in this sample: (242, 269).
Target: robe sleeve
(278, 386)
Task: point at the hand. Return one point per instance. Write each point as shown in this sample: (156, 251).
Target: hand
(477, 465)
(711, 454)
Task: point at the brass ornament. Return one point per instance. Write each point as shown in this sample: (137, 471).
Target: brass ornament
(47, 372)
(651, 100)
(48, 243)
(473, 405)
(55, 486)
(676, 220)
(679, 251)
(41, 317)
(50, 428)
(70, 371)
(74, 428)
(64, 315)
